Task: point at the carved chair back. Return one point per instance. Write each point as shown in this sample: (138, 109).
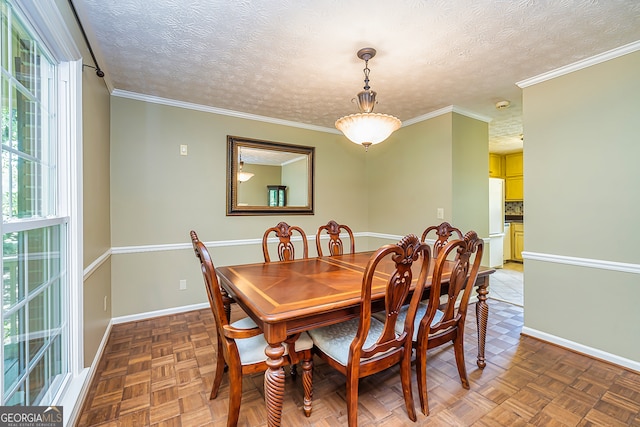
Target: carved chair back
(364, 346)
(403, 254)
(212, 285)
(443, 233)
(335, 244)
(453, 311)
(229, 353)
(286, 249)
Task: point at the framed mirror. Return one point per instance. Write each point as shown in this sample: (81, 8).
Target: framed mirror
(269, 178)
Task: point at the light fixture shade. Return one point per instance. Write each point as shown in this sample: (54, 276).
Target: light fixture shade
(244, 176)
(368, 128)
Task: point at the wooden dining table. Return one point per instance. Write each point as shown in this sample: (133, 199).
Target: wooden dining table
(285, 298)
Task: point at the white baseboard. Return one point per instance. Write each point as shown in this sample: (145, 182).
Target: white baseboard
(76, 397)
(158, 313)
(73, 398)
(583, 349)
(88, 374)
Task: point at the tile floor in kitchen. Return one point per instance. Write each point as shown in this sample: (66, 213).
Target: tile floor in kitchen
(506, 284)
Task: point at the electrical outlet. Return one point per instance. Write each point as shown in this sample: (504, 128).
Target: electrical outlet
(183, 284)
(105, 303)
(440, 213)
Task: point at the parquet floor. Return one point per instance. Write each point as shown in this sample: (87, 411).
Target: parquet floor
(158, 372)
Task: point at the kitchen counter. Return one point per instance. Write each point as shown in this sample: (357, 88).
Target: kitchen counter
(513, 218)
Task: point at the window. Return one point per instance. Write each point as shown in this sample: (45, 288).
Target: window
(36, 342)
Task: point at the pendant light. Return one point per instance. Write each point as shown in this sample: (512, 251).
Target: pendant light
(243, 176)
(367, 128)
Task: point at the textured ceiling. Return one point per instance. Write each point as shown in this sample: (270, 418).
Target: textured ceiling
(296, 60)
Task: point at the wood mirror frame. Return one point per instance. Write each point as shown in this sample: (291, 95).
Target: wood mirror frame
(263, 158)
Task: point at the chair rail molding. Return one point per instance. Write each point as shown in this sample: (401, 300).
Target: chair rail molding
(583, 262)
(118, 250)
(91, 268)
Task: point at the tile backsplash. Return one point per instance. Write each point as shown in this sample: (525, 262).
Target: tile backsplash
(514, 208)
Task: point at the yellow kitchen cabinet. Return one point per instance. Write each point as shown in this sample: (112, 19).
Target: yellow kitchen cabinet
(513, 164)
(513, 188)
(495, 165)
(517, 240)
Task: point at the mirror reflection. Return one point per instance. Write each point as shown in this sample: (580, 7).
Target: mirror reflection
(265, 177)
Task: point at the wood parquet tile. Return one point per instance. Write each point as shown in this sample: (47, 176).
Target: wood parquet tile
(159, 372)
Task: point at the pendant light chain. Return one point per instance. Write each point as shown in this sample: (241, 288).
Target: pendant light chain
(366, 75)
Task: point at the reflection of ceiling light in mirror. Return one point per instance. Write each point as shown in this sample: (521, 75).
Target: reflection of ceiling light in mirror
(366, 127)
(244, 176)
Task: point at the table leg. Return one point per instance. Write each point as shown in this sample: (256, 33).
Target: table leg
(274, 384)
(482, 315)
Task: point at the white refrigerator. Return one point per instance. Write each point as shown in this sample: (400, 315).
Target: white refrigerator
(496, 221)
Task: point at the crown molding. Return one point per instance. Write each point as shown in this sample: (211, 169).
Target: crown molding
(597, 59)
(221, 111)
(238, 114)
(445, 110)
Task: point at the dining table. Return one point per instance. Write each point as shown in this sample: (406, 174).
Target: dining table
(289, 297)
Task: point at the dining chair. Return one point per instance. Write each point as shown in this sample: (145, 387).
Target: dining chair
(285, 249)
(364, 346)
(443, 233)
(241, 344)
(439, 322)
(336, 245)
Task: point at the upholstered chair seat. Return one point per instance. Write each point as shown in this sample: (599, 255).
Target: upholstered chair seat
(241, 345)
(251, 350)
(335, 340)
(364, 346)
(402, 315)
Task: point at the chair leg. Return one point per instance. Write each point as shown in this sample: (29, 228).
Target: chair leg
(352, 399)
(220, 369)
(307, 383)
(235, 395)
(405, 375)
(421, 374)
(458, 347)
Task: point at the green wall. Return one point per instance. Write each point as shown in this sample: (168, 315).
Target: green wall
(580, 155)
(582, 207)
(295, 177)
(437, 163)
(470, 182)
(410, 176)
(157, 196)
(254, 191)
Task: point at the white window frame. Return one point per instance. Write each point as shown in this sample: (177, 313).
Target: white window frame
(45, 19)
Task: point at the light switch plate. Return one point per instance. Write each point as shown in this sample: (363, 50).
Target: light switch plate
(440, 213)
(183, 149)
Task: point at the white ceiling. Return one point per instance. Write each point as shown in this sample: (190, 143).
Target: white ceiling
(295, 60)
